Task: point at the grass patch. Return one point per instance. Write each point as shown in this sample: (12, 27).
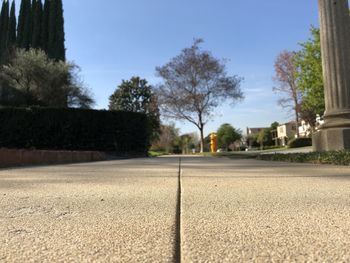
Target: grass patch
(233, 155)
(156, 154)
(333, 157)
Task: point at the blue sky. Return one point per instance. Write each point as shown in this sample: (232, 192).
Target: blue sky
(113, 40)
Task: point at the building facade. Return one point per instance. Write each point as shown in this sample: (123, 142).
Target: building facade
(286, 132)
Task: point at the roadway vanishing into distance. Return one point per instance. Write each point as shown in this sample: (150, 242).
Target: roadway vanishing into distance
(157, 210)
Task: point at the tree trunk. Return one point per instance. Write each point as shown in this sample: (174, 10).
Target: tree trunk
(201, 129)
(297, 122)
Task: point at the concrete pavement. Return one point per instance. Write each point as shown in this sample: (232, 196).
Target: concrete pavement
(121, 211)
(128, 211)
(253, 211)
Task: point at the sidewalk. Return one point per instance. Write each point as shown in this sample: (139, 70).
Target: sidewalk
(138, 210)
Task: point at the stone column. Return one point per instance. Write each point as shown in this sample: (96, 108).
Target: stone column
(335, 46)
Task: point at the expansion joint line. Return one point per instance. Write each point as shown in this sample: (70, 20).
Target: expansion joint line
(177, 254)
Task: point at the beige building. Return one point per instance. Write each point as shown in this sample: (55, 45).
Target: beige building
(286, 132)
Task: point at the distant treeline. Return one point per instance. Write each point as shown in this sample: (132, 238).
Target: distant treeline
(39, 26)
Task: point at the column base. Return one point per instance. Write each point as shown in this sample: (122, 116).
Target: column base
(333, 139)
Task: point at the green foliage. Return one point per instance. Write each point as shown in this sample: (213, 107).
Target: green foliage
(38, 27)
(300, 142)
(37, 10)
(37, 80)
(186, 142)
(334, 157)
(135, 95)
(274, 125)
(25, 21)
(156, 153)
(21, 22)
(4, 30)
(56, 36)
(227, 135)
(264, 138)
(73, 129)
(45, 26)
(310, 77)
(12, 35)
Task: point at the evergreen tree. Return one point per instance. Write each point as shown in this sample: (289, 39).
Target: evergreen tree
(52, 29)
(27, 34)
(45, 26)
(4, 26)
(12, 26)
(135, 95)
(56, 38)
(60, 34)
(21, 21)
(37, 10)
(24, 25)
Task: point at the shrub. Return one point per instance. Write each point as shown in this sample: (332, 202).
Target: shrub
(73, 129)
(333, 157)
(32, 78)
(300, 142)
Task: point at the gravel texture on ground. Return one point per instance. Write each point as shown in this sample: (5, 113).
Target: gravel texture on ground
(119, 211)
(127, 211)
(255, 211)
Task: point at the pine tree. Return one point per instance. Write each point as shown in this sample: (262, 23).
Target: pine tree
(56, 38)
(37, 10)
(45, 26)
(12, 26)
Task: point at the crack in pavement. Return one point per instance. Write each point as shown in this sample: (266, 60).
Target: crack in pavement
(177, 248)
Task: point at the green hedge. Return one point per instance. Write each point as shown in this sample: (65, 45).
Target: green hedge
(300, 142)
(334, 157)
(73, 129)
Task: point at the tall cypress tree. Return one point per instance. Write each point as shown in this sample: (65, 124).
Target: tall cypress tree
(27, 31)
(21, 22)
(12, 26)
(2, 29)
(4, 26)
(60, 44)
(25, 25)
(52, 29)
(37, 23)
(45, 26)
(56, 46)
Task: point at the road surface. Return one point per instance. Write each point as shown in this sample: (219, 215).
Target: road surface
(151, 210)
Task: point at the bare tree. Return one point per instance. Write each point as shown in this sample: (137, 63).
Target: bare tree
(286, 79)
(195, 83)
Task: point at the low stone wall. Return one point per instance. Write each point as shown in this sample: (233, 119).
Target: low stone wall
(13, 158)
